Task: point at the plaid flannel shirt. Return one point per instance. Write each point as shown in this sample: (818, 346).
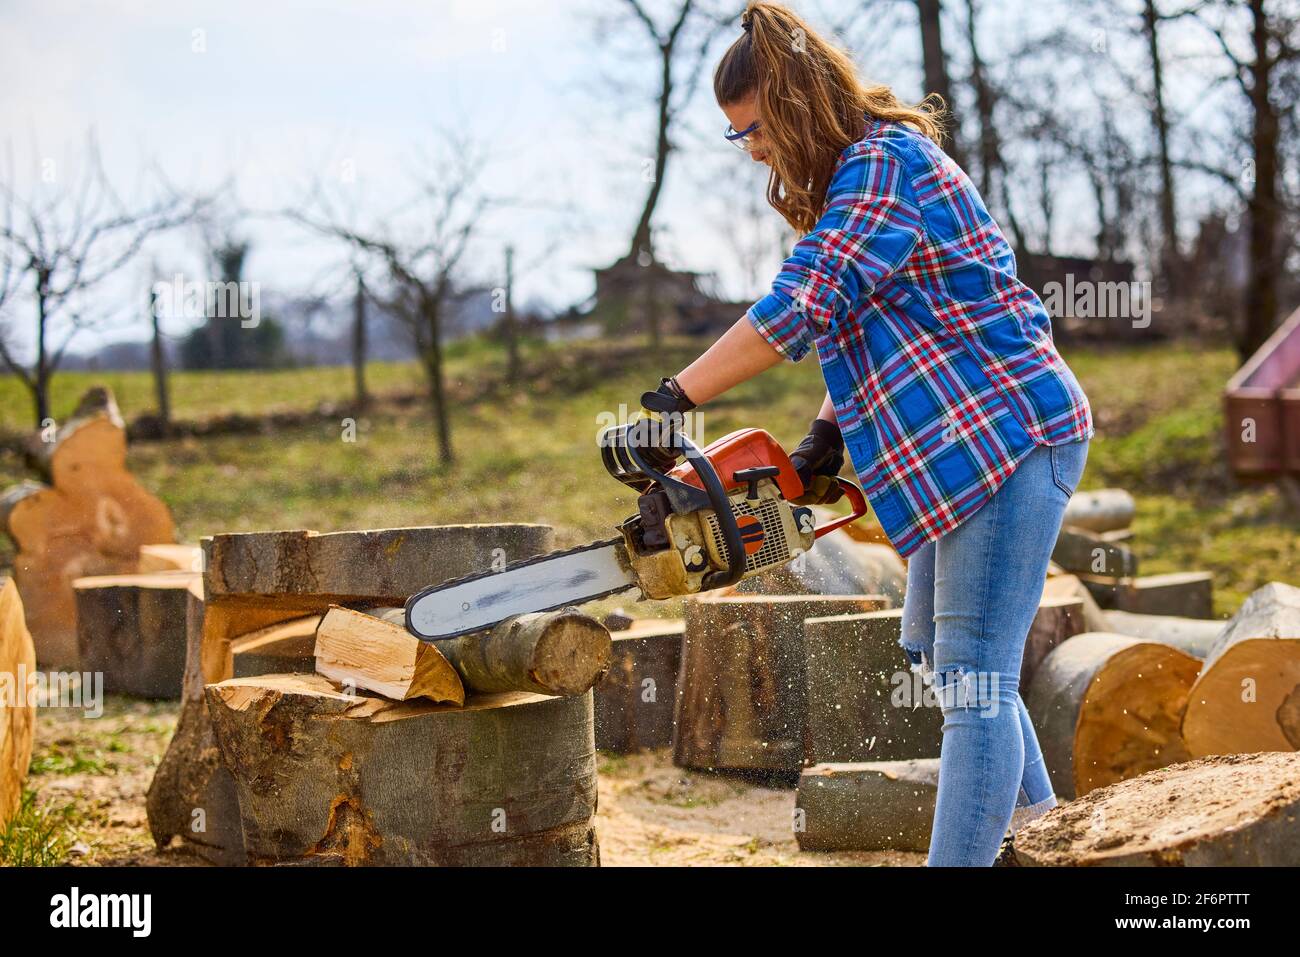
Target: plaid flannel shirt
(939, 361)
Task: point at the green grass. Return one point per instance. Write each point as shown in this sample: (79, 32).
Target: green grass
(36, 835)
(529, 454)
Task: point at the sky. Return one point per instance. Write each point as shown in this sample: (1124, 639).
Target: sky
(278, 94)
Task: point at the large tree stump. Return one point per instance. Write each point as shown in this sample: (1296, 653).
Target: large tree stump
(1192, 635)
(1108, 707)
(634, 700)
(560, 652)
(864, 701)
(836, 565)
(1247, 697)
(92, 520)
(1234, 810)
(1103, 510)
(742, 691)
(17, 711)
(868, 806)
(131, 628)
(255, 580)
(330, 778)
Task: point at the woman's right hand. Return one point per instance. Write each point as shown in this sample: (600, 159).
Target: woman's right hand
(818, 460)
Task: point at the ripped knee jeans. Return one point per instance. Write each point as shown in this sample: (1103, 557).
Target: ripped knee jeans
(971, 598)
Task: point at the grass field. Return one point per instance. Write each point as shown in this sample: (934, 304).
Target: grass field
(529, 453)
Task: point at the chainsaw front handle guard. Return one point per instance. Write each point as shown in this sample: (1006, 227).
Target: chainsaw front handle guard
(856, 499)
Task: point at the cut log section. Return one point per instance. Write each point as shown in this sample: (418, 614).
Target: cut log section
(1235, 810)
(330, 778)
(1069, 586)
(255, 580)
(634, 700)
(17, 710)
(1087, 553)
(1108, 707)
(91, 521)
(557, 652)
(1056, 620)
(284, 648)
(869, 806)
(1247, 697)
(1192, 635)
(1185, 594)
(837, 565)
(170, 558)
(131, 628)
(864, 701)
(742, 692)
(1103, 510)
(358, 651)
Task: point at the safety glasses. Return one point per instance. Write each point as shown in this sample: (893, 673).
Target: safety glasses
(739, 139)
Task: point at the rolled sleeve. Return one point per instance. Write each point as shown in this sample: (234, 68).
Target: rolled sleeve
(870, 225)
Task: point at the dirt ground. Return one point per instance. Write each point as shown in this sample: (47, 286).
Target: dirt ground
(94, 772)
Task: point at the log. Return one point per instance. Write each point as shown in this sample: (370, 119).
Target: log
(556, 653)
(358, 651)
(864, 702)
(255, 580)
(1102, 510)
(1087, 553)
(167, 558)
(91, 520)
(742, 691)
(836, 565)
(1069, 586)
(1187, 594)
(634, 701)
(17, 709)
(1247, 697)
(1108, 707)
(1235, 810)
(1057, 619)
(867, 806)
(330, 778)
(284, 648)
(1191, 635)
(131, 628)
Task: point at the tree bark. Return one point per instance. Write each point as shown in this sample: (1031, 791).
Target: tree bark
(362, 396)
(935, 63)
(868, 806)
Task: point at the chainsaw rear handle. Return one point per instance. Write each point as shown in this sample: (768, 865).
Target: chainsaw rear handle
(856, 499)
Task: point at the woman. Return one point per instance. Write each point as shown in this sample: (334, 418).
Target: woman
(967, 430)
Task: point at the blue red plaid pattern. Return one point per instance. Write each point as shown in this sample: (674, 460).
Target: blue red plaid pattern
(939, 361)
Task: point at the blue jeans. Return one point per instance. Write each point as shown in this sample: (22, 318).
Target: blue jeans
(971, 598)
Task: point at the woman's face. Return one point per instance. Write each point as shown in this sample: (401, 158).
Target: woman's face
(742, 116)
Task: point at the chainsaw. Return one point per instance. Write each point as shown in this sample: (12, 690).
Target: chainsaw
(723, 514)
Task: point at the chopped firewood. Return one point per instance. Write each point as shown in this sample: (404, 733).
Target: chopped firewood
(1103, 510)
(1234, 810)
(327, 777)
(1108, 707)
(1247, 697)
(92, 520)
(131, 628)
(1193, 635)
(868, 806)
(357, 650)
(17, 711)
(634, 700)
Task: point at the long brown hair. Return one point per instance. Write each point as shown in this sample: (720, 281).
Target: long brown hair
(811, 104)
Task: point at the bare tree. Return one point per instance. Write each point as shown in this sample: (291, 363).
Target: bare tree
(65, 246)
(934, 59)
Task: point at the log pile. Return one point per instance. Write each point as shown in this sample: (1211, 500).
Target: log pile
(90, 519)
(17, 712)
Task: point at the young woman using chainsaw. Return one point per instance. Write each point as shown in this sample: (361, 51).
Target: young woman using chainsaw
(967, 430)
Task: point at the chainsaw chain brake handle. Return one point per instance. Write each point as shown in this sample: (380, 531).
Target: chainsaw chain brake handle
(624, 462)
(856, 499)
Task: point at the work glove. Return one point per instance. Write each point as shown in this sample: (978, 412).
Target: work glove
(661, 414)
(818, 460)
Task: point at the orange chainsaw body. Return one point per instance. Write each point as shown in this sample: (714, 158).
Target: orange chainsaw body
(744, 449)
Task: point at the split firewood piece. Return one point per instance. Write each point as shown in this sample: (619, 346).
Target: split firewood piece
(1069, 586)
(1087, 553)
(1232, 810)
(1102, 510)
(1193, 635)
(868, 806)
(1247, 697)
(837, 564)
(1186, 594)
(357, 650)
(742, 693)
(17, 712)
(282, 648)
(634, 700)
(864, 701)
(556, 652)
(131, 628)
(91, 521)
(327, 777)
(1108, 707)
(166, 558)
